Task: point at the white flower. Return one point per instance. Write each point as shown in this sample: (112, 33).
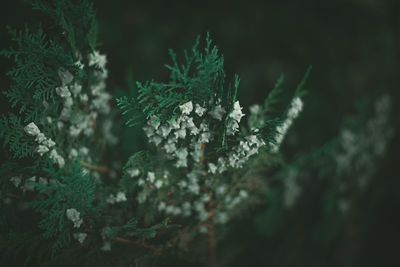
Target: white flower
(175, 124)
(164, 130)
(169, 148)
(151, 177)
(156, 140)
(80, 237)
(243, 193)
(133, 172)
(73, 153)
(158, 184)
(212, 168)
(28, 185)
(84, 151)
(84, 97)
(106, 246)
(149, 131)
(181, 153)
(181, 163)
(186, 108)
(40, 138)
(41, 149)
(154, 122)
(32, 129)
(63, 91)
(236, 113)
(217, 112)
(65, 76)
(232, 127)
(161, 206)
(49, 143)
(221, 217)
(205, 137)
(120, 197)
(57, 158)
(74, 216)
(296, 107)
(255, 109)
(181, 133)
(199, 110)
(79, 64)
(76, 88)
(15, 180)
(96, 59)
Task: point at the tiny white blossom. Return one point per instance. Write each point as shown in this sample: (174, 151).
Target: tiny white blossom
(296, 107)
(164, 130)
(120, 197)
(181, 133)
(65, 76)
(15, 180)
(169, 148)
(154, 122)
(151, 177)
(41, 149)
(84, 98)
(80, 237)
(57, 158)
(28, 185)
(97, 59)
(199, 110)
(221, 217)
(83, 151)
(76, 88)
(79, 64)
(49, 143)
(205, 137)
(106, 246)
(74, 216)
(32, 129)
(63, 91)
(236, 113)
(73, 153)
(161, 206)
(158, 184)
(40, 138)
(156, 140)
(212, 168)
(186, 108)
(133, 172)
(232, 127)
(255, 109)
(217, 112)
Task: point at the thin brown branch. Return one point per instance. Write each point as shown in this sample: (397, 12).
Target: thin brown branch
(94, 167)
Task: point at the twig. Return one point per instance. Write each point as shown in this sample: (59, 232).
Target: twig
(94, 167)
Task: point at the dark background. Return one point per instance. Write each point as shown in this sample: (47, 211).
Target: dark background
(353, 46)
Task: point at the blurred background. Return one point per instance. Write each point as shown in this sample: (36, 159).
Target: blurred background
(354, 49)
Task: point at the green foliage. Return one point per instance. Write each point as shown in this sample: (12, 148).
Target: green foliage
(65, 190)
(130, 229)
(12, 132)
(77, 20)
(34, 76)
(200, 78)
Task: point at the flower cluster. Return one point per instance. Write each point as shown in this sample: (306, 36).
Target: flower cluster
(183, 139)
(74, 216)
(45, 144)
(295, 107)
